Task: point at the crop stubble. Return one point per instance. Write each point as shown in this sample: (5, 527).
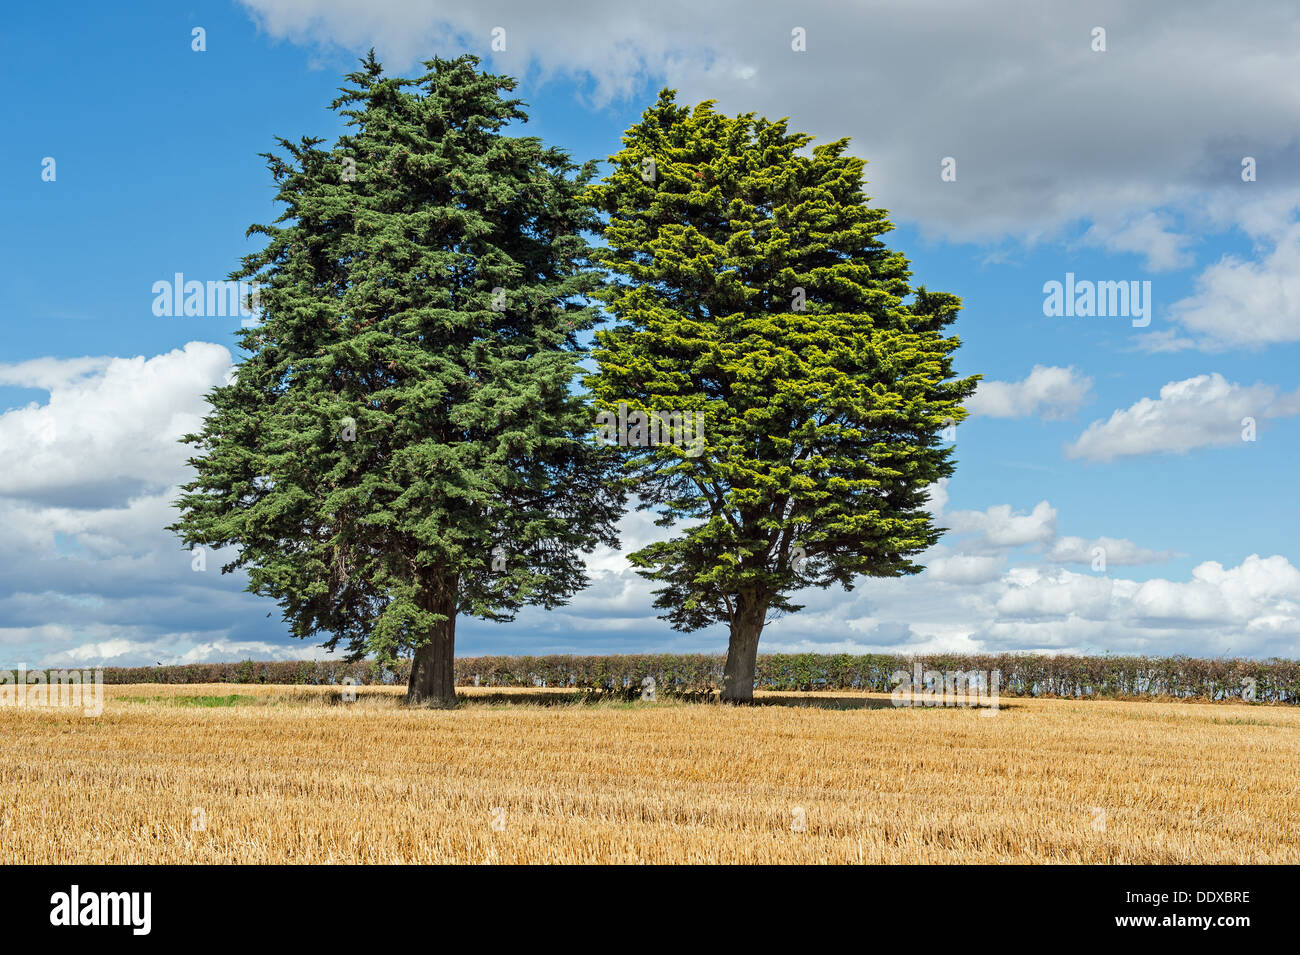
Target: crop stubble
(297, 775)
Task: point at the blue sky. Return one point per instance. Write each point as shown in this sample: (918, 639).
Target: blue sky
(1114, 165)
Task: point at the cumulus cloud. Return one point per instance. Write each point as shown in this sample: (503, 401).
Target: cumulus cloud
(965, 568)
(996, 583)
(1199, 412)
(999, 527)
(1057, 595)
(1251, 610)
(110, 427)
(1114, 550)
(1154, 235)
(1238, 302)
(175, 649)
(1257, 588)
(85, 584)
(49, 373)
(88, 575)
(937, 497)
(1117, 139)
(1047, 392)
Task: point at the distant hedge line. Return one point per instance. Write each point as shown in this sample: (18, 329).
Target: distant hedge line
(1276, 680)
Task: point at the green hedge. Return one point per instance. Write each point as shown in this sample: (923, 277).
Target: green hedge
(1277, 681)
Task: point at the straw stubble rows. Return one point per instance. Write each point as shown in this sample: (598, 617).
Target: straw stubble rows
(293, 774)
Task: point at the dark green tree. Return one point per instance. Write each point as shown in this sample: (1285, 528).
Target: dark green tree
(403, 441)
(750, 284)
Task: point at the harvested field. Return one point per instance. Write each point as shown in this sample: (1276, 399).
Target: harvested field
(265, 774)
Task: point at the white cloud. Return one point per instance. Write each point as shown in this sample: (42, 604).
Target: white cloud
(1059, 594)
(1198, 412)
(1048, 392)
(1246, 303)
(81, 585)
(1218, 595)
(1117, 551)
(110, 428)
(967, 600)
(1249, 610)
(937, 497)
(176, 649)
(1151, 234)
(88, 574)
(1046, 132)
(49, 373)
(965, 569)
(999, 527)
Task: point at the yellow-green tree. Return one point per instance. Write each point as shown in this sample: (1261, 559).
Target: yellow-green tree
(749, 284)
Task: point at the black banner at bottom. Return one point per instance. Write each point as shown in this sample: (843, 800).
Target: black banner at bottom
(314, 903)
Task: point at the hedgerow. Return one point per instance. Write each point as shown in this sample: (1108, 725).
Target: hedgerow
(1275, 680)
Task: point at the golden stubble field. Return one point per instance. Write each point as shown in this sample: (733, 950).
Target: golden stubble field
(294, 774)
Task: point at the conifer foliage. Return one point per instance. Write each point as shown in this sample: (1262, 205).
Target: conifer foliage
(750, 283)
(402, 442)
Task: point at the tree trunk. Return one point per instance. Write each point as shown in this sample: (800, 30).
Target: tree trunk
(742, 650)
(433, 668)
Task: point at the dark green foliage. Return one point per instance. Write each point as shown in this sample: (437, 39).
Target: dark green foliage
(402, 443)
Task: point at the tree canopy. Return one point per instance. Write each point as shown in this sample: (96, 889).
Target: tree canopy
(402, 442)
(750, 283)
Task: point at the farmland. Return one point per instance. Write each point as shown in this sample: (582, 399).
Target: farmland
(264, 774)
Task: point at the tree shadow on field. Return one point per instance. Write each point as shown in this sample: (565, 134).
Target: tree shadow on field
(525, 698)
(854, 703)
(631, 698)
(823, 702)
(578, 697)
